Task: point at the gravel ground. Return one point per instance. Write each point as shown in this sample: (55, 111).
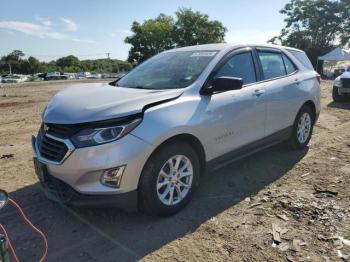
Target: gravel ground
(277, 205)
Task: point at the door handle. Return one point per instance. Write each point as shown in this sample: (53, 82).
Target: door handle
(258, 92)
(297, 81)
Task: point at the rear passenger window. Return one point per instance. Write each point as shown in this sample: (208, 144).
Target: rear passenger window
(272, 64)
(290, 67)
(241, 66)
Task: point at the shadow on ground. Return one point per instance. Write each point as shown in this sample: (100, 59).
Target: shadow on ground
(340, 105)
(113, 235)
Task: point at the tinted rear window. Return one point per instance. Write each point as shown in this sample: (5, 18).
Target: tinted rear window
(272, 64)
(302, 57)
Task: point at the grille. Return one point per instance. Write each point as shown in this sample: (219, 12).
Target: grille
(346, 82)
(51, 149)
(63, 131)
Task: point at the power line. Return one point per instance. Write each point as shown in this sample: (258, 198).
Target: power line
(62, 55)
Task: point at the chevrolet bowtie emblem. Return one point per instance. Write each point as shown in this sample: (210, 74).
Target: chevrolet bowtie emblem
(46, 128)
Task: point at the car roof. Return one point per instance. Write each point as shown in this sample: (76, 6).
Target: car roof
(228, 46)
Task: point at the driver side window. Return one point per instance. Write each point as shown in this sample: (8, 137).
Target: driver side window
(241, 66)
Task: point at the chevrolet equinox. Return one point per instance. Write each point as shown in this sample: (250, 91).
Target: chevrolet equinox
(143, 141)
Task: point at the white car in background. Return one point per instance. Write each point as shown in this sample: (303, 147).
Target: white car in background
(15, 78)
(341, 87)
(83, 75)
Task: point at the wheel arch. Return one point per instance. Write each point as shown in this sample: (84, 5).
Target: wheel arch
(189, 139)
(311, 105)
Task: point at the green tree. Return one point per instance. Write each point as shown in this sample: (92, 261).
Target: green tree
(315, 26)
(68, 61)
(34, 65)
(163, 33)
(150, 37)
(13, 58)
(194, 28)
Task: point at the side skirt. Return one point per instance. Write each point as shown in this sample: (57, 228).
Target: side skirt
(249, 149)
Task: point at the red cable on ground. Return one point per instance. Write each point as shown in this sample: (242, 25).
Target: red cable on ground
(40, 233)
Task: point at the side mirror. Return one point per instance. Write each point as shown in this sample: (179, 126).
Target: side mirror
(225, 83)
(113, 83)
(4, 197)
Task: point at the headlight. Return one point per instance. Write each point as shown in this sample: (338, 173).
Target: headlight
(337, 82)
(102, 135)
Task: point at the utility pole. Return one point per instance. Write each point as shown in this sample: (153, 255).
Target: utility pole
(109, 61)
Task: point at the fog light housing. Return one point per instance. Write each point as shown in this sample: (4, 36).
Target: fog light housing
(112, 177)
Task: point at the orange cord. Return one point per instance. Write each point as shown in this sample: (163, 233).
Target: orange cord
(40, 233)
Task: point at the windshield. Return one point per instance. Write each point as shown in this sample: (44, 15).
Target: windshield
(168, 70)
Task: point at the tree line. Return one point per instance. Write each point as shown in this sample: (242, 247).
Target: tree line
(315, 26)
(16, 63)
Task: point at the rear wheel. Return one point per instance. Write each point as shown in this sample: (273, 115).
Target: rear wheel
(336, 96)
(169, 179)
(302, 128)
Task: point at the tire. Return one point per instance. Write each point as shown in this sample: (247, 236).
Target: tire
(296, 142)
(150, 197)
(336, 96)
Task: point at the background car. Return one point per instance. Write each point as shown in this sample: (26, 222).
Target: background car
(338, 72)
(341, 87)
(15, 78)
(56, 76)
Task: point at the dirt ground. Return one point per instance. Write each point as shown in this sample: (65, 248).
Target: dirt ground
(301, 196)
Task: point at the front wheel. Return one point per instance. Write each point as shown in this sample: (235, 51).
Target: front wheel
(302, 128)
(168, 179)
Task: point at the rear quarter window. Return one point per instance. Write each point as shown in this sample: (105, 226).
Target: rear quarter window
(290, 67)
(302, 58)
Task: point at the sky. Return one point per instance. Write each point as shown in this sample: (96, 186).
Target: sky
(89, 29)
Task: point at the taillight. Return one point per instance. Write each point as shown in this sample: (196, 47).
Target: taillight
(318, 77)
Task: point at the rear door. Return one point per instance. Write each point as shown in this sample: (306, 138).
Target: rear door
(280, 78)
(235, 118)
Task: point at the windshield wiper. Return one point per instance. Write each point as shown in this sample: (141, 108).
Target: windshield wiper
(137, 87)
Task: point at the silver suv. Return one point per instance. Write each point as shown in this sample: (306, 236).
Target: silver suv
(145, 141)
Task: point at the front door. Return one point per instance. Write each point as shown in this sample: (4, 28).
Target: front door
(235, 118)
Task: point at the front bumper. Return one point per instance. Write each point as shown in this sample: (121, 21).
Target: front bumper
(80, 173)
(342, 90)
(59, 191)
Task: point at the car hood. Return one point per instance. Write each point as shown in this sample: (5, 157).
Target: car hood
(95, 102)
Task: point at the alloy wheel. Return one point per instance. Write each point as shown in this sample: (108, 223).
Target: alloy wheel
(174, 180)
(304, 127)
